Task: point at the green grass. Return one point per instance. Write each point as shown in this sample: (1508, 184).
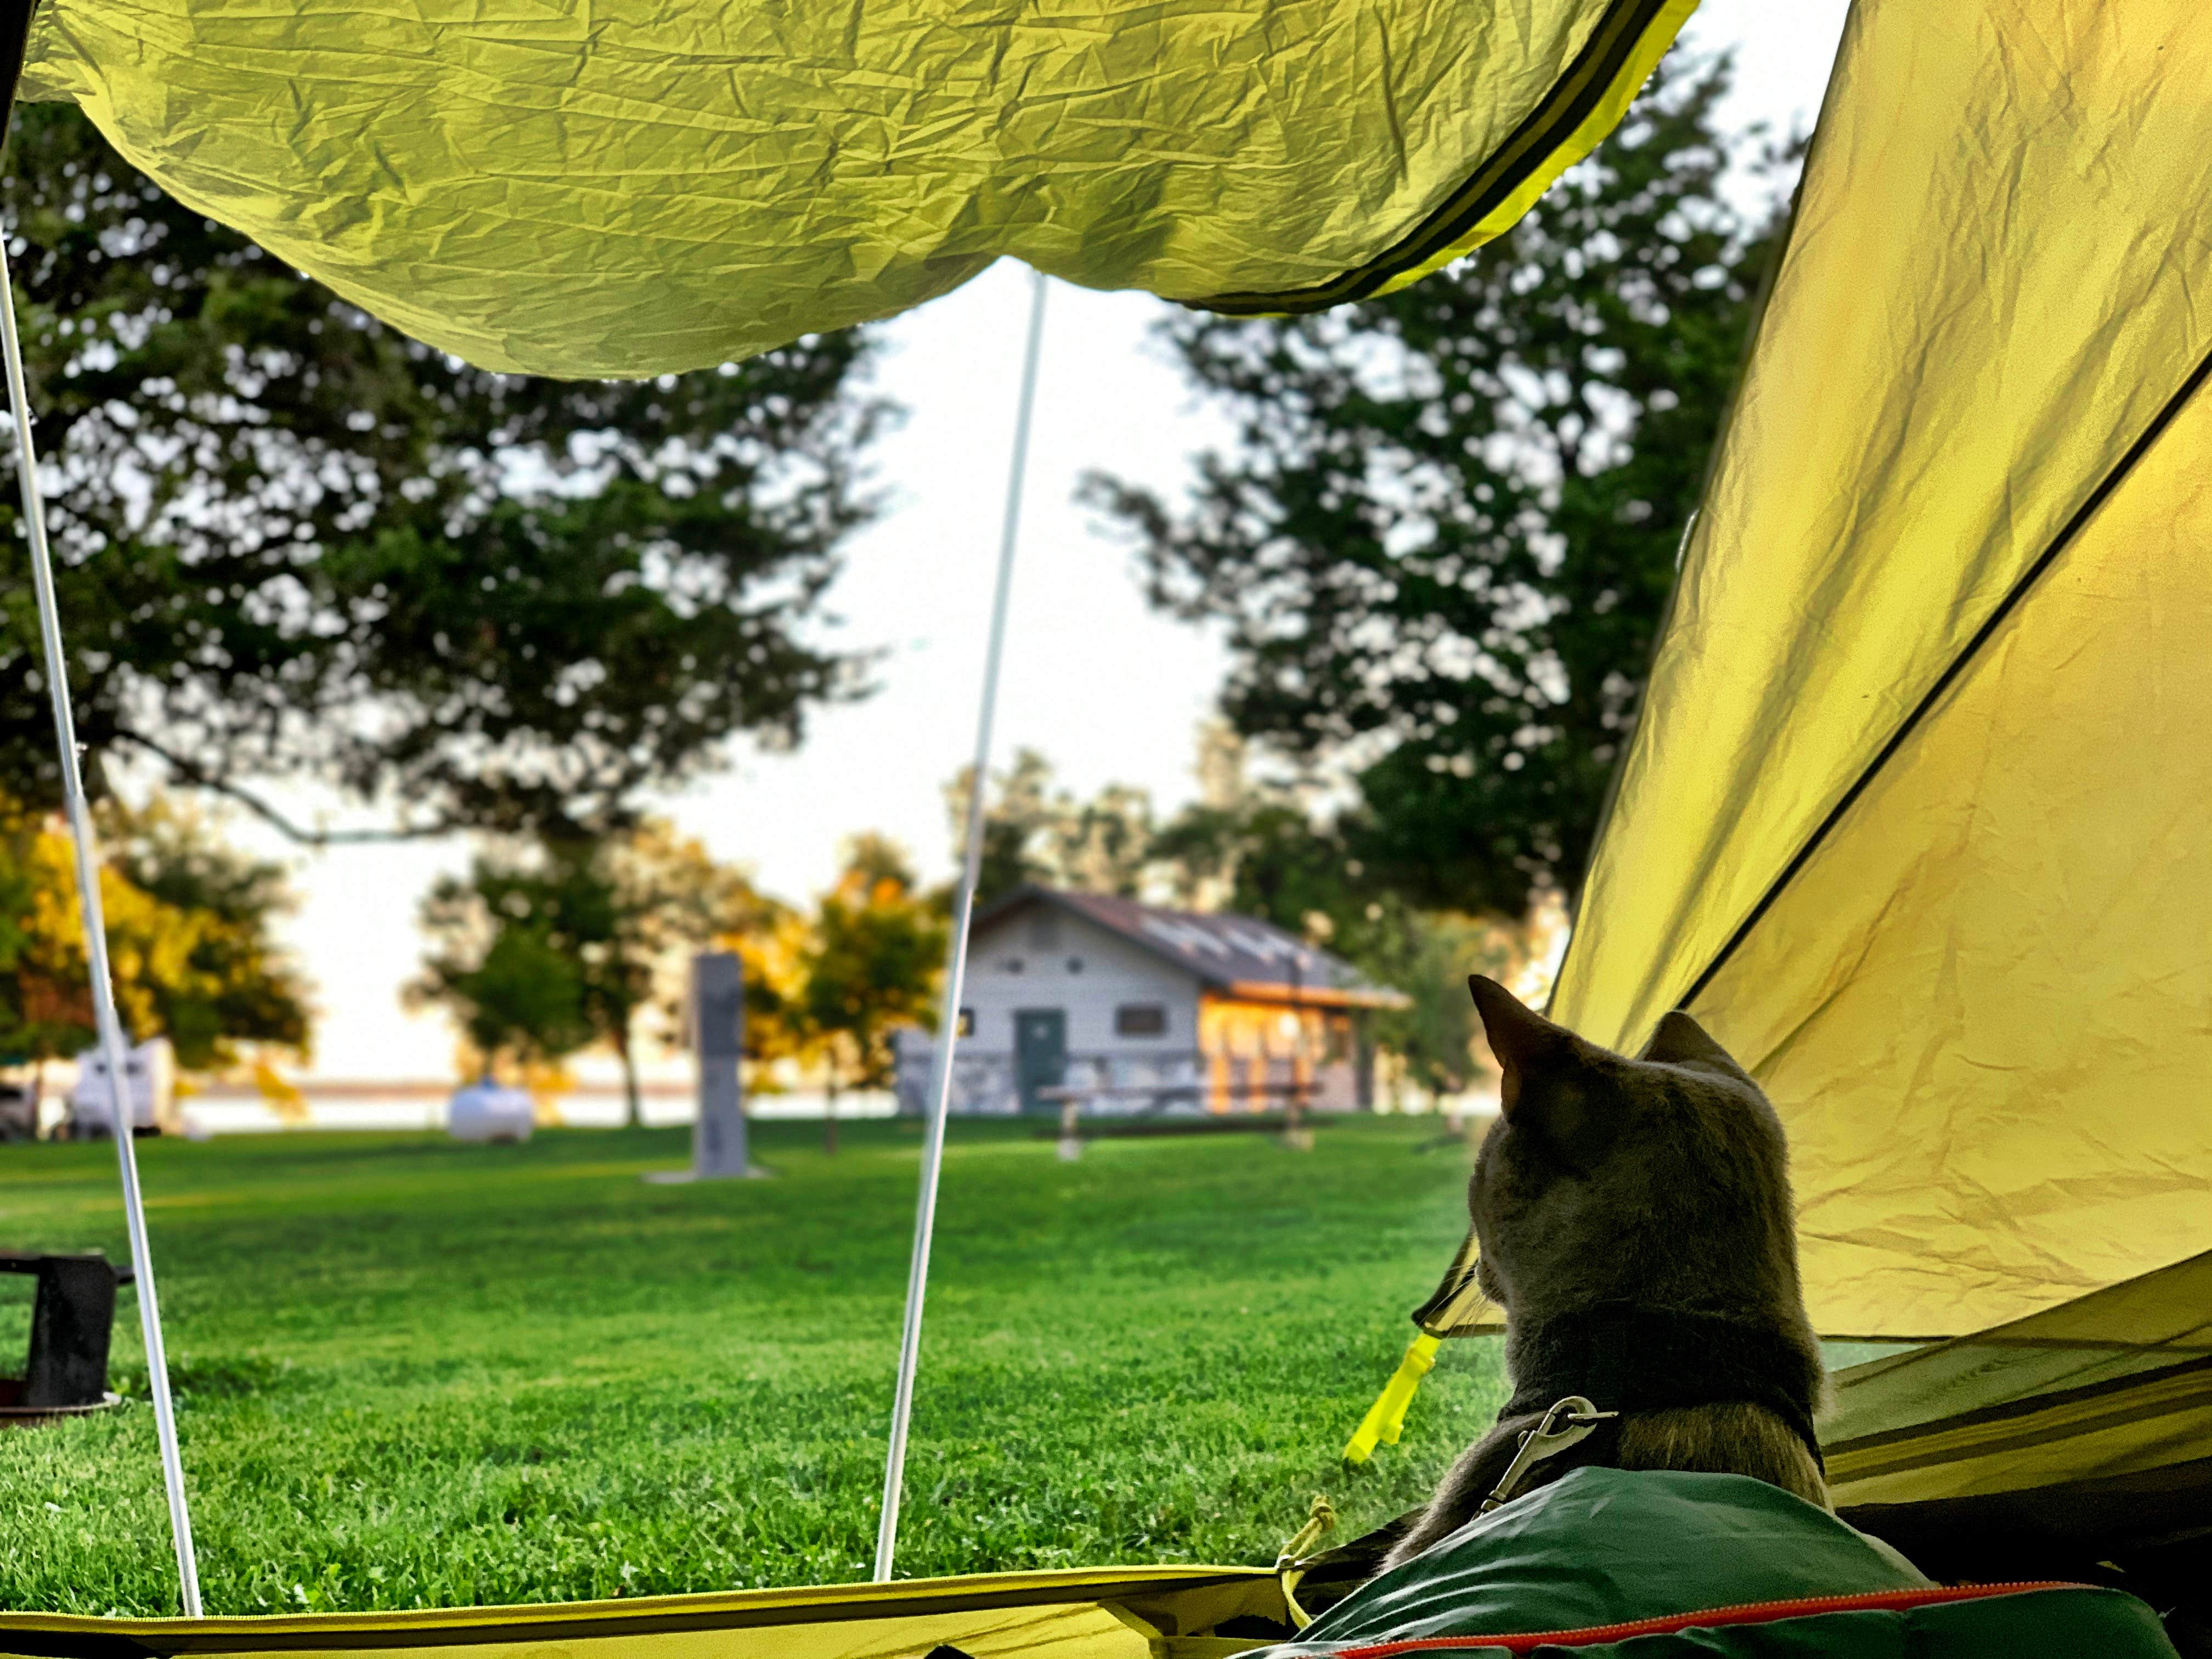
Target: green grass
(417, 1374)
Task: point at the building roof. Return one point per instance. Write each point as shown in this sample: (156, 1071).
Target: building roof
(1239, 956)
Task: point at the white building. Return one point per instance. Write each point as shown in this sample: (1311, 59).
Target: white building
(1126, 1008)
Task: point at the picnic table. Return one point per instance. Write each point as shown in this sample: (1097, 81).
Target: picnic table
(1297, 1132)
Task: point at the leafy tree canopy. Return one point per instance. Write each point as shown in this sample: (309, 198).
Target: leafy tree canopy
(293, 542)
(1035, 830)
(1444, 541)
(547, 948)
(190, 939)
(872, 963)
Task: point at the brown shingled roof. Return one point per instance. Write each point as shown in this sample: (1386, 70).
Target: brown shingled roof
(1238, 955)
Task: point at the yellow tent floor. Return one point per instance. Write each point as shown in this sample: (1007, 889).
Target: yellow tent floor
(1109, 1613)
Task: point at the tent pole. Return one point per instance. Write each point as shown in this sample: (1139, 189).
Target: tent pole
(956, 972)
(95, 944)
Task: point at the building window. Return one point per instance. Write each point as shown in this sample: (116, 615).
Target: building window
(1075, 964)
(1140, 1019)
(966, 1026)
(1012, 965)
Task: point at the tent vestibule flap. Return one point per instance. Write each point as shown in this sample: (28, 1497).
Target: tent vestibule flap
(2046, 1446)
(1913, 818)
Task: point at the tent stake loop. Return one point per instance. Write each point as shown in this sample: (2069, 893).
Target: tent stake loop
(956, 972)
(123, 1113)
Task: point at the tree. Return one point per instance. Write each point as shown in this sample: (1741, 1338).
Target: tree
(1261, 848)
(771, 940)
(871, 966)
(1035, 831)
(190, 933)
(1444, 540)
(545, 949)
(292, 542)
(1428, 954)
(519, 997)
(240, 985)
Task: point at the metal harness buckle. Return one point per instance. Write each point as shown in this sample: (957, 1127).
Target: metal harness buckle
(1581, 1419)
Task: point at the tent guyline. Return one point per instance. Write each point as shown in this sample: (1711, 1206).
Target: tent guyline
(1958, 666)
(122, 1115)
(956, 967)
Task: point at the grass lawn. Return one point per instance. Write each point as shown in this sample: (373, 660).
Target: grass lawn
(417, 1374)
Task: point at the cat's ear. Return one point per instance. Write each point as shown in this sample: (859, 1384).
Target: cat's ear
(1680, 1041)
(1523, 1039)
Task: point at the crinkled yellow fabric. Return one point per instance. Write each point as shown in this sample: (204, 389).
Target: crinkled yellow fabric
(2113, 1385)
(1106, 1612)
(575, 189)
(1984, 1004)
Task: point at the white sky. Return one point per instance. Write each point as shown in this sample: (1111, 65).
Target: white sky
(1109, 691)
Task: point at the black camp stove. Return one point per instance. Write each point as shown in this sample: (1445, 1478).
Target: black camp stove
(72, 1317)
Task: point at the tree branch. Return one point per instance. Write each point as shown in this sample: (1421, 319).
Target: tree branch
(190, 772)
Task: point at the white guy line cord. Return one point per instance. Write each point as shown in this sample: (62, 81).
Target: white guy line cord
(948, 1018)
(96, 946)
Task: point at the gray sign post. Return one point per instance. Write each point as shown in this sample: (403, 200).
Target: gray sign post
(718, 1148)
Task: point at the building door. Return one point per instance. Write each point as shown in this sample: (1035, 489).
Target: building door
(1040, 1054)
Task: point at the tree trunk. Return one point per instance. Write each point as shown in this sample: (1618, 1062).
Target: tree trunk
(633, 1109)
(830, 1117)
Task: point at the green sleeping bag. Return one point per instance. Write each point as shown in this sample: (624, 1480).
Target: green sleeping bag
(1647, 1565)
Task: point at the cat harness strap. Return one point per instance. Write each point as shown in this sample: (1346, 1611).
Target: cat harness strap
(1635, 1359)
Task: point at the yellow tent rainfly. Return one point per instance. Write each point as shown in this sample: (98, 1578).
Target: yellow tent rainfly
(633, 190)
(1933, 865)
(2080, 1434)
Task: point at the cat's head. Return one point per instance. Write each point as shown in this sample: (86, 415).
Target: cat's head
(1662, 1180)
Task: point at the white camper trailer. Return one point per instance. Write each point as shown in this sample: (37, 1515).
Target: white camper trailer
(150, 1082)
